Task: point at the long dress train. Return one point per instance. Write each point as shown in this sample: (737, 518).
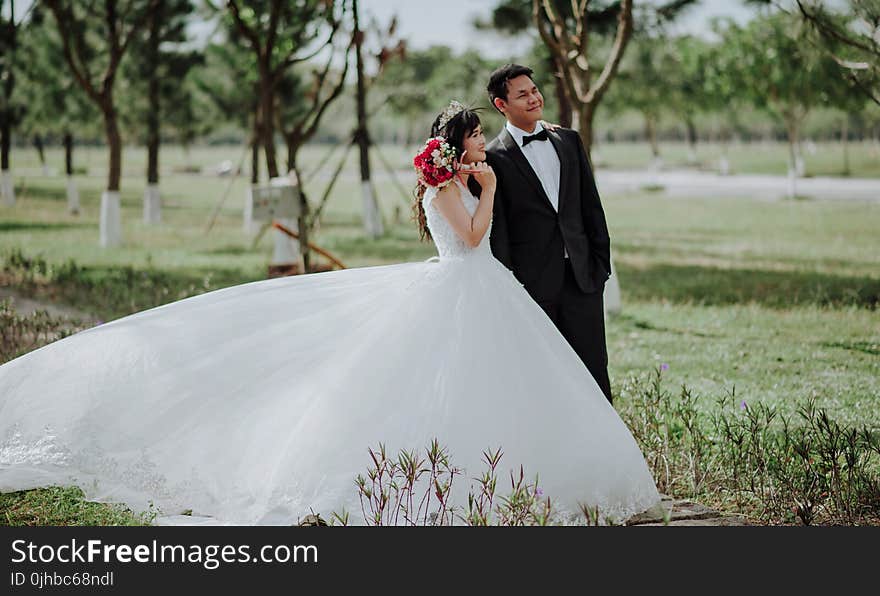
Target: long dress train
(257, 403)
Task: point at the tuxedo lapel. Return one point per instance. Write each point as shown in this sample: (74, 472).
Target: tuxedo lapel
(564, 167)
(516, 156)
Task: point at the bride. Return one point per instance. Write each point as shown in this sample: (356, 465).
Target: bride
(257, 404)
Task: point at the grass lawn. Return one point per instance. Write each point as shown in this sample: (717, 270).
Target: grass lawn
(776, 299)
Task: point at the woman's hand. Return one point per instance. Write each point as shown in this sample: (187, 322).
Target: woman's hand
(550, 126)
(483, 174)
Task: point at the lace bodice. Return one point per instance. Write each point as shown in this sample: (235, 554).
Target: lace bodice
(449, 244)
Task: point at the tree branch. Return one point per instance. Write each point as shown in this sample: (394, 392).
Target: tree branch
(274, 14)
(65, 18)
(246, 31)
(292, 58)
(332, 97)
(624, 31)
(831, 31)
(139, 24)
(558, 50)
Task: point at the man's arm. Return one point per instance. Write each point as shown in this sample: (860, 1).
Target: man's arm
(591, 208)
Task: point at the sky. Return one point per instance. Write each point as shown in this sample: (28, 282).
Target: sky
(423, 24)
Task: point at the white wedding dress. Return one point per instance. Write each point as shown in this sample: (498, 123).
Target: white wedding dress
(257, 404)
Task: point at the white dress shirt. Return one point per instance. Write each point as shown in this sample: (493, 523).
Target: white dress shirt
(542, 157)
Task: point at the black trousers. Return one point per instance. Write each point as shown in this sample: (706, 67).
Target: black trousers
(580, 318)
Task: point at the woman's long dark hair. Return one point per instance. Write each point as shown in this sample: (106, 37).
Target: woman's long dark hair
(455, 131)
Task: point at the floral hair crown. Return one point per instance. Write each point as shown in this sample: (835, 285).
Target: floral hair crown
(454, 108)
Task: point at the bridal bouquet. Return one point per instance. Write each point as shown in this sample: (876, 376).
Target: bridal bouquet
(435, 163)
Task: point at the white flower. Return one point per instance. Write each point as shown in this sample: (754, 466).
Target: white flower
(435, 153)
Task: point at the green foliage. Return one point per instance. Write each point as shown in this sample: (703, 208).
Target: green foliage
(776, 69)
(752, 458)
(12, 103)
(415, 490)
(849, 34)
(108, 292)
(57, 104)
(227, 84)
(21, 334)
(772, 297)
(57, 506)
(421, 85)
(180, 114)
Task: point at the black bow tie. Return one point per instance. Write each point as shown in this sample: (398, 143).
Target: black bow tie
(539, 136)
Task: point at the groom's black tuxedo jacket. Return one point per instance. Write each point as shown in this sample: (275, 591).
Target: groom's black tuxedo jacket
(530, 237)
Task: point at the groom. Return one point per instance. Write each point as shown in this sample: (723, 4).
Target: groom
(548, 225)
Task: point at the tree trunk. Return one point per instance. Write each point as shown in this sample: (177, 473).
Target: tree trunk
(110, 231)
(565, 111)
(152, 212)
(692, 139)
(7, 186)
(114, 144)
(724, 164)
(302, 220)
(844, 137)
(72, 192)
(5, 141)
(68, 153)
(584, 125)
(255, 159)
(651, 133)
(41, 152)
(154, 107)
(292, 143)
(372, 216)
(250, 227)
(267, 121)
(792, 128)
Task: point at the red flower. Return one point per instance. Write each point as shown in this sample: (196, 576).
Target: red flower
(426, 167)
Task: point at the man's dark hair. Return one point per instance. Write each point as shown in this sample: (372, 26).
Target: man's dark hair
(497, 86)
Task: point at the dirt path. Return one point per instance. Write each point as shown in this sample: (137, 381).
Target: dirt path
(26, 306)
(692, 183)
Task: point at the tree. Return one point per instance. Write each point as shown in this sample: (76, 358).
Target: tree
(229, 82)
(57, 105)
(568, 36)
(688, 77)
(850, 34)
(515, 17)
(781, 74)
(90, 47)
(279, 33)
(418, 86)
(645, 82)
(12, 109)
(724, 90)
(157, 72)
(568, 40)
(372, 215)
(302, 105)
(409, 88)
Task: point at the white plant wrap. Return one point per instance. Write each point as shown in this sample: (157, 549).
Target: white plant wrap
(7, 188)
(152, 205)
(72, 196)
(111, 219)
